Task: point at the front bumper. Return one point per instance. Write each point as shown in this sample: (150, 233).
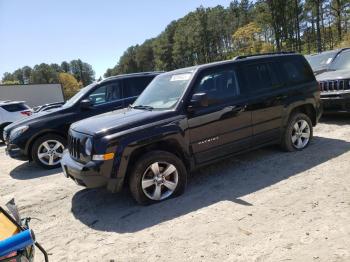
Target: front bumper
(336, 101)
(15, 152)
(89, 175)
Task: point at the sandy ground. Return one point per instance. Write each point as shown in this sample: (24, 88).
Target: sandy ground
(266, 205)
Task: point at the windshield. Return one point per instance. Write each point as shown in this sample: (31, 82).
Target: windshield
(320, 61)
(78, 96)
(164, 91)
(341, 62)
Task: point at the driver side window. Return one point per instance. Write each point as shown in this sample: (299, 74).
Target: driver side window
(218, 85)
(106, 93)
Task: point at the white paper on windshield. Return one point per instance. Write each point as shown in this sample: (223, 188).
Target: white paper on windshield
(181, 77)
(329, 60)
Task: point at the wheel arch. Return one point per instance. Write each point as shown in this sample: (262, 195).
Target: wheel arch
(169, 145)
(307, 109)
(42, 133)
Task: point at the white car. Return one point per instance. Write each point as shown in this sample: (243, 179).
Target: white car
(11, 111)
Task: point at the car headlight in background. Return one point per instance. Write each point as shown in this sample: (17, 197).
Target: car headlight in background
(18, 131)
(88, 147)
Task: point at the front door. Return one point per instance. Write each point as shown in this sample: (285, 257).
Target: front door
(224, 126)
(105, 98)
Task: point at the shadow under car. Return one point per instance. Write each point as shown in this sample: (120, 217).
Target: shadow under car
(226, 180)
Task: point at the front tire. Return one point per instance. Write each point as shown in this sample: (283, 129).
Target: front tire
(47, 151)
(298, 133)
(157, 176)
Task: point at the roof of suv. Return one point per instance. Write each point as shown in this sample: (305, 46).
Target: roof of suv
(9, 102)
(235, 59)
(155, 73)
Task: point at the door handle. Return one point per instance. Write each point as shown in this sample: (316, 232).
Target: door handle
(238, 109)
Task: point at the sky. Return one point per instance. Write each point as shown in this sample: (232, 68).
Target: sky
(98, 32)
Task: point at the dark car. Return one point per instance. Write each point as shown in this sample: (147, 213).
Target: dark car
(43, 136)
(335, 83)
(191, 117)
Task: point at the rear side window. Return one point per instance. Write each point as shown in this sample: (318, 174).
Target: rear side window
(15, 107)
(135, 86)
(296, 70)
(260, 76)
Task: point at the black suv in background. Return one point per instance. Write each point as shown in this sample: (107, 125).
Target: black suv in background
(334, 79)
(43, 136)
(191, 117)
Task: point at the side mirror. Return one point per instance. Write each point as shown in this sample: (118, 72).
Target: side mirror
(197, 101)
(86, 104)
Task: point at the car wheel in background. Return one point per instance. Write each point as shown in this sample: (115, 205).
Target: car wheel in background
(298, 133)
(47, 150)
(157, 176)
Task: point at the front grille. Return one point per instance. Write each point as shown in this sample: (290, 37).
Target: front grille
(335, 85)
(74, 146)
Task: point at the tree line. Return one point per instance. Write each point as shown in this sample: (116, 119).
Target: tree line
(244, 27)
(72, 75)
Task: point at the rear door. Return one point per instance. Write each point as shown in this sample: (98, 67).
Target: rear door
(133, 87)
(224, 127)
(267, 99)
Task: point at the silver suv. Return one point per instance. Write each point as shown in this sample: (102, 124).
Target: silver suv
(332, 70)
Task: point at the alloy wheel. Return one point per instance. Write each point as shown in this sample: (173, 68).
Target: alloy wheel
(300, 134)
(160, 180)
(50, 152)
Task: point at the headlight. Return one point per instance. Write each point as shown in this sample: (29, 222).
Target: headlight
(18, 131)
(88, 147)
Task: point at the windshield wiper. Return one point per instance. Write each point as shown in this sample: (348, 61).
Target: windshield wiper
(142, 107)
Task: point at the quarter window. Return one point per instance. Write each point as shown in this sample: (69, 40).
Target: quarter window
(219, 86)
(297, 70)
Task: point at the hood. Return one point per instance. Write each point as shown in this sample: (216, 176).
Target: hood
(35, 117)
(117, 121)
(334, 75)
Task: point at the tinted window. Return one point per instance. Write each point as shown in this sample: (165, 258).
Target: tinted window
(260, 76)
(322, 60)
(15, 107)
(106, 93)
(341, 62)
(135, 86)
(219, 85)
(297, 70)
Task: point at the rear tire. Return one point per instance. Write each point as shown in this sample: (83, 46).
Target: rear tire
(298, 133)
(47, 151)
(1, 136)
(157, 176)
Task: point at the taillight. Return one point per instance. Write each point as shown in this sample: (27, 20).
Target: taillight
(26, 113)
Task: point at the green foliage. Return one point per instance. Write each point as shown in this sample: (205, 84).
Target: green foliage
(49, 73)
(244, 27)
(10, 82)
(69, 83)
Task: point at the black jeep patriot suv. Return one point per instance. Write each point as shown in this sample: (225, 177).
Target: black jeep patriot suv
(191, 117)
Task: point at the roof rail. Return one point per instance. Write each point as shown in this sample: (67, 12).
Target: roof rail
(262, 54)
